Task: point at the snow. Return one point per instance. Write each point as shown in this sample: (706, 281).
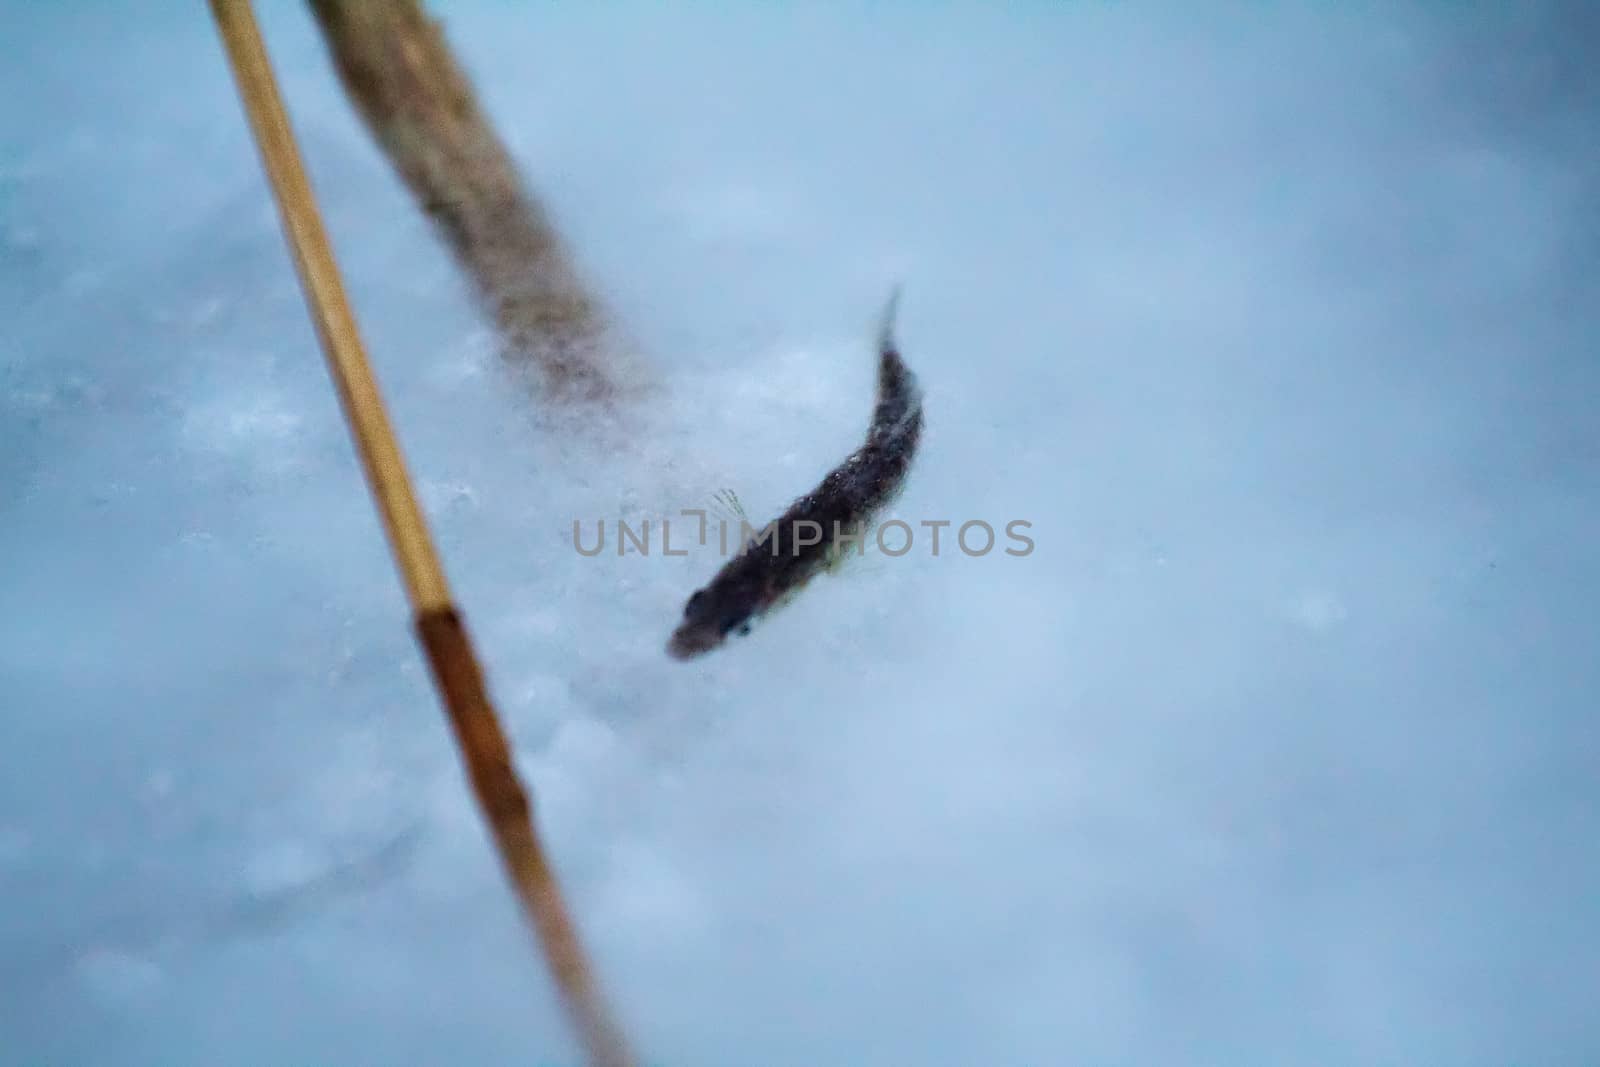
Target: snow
(1277, 324)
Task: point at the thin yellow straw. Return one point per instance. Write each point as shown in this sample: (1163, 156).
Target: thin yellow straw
(439, 626)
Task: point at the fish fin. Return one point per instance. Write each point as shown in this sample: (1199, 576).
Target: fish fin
(868, 561)
(843, 552)
(726, 504)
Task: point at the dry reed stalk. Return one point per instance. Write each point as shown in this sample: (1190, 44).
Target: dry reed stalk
(438, 624)
(418, 103)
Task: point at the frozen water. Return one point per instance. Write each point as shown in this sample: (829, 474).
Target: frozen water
(1278, 324)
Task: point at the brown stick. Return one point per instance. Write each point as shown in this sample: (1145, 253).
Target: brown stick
(505, 806)
(418, 103)
(439, 628)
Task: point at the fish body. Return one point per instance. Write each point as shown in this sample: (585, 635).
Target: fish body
(817, 531)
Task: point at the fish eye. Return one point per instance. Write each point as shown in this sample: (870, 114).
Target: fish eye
(743, 631)
(735, 627)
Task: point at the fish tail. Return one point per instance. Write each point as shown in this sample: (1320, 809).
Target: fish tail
(891, 310)
(899, 398)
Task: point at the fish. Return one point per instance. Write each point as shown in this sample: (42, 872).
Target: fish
(813, 535)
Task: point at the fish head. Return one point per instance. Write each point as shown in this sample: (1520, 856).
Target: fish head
(710, 617)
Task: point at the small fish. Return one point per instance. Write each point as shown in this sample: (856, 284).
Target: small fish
(813, 535)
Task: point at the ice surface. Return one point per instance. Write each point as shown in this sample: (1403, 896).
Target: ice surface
(1277, 324)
